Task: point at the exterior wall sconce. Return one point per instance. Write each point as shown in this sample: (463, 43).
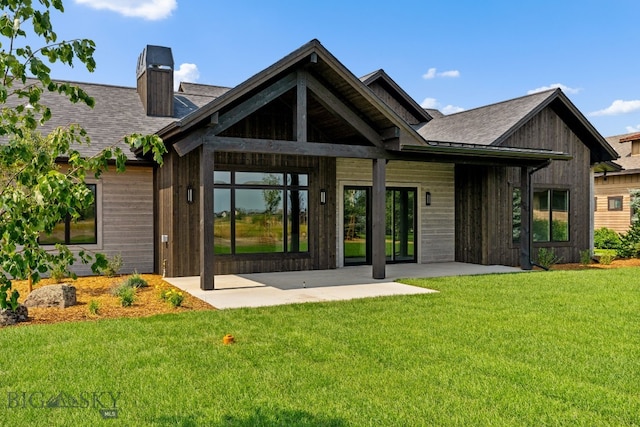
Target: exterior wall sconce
(427, 198)
(323, 197)
(189, 194)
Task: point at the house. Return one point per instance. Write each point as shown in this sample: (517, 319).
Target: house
(305, 166)
(613, 188)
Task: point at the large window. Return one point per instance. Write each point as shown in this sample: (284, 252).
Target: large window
(260, 212)
(75, 232)
(550, 211)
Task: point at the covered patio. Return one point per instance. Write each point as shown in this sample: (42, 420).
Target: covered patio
(268, 289)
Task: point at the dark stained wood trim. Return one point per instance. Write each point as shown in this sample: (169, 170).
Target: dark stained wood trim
(254, 103)
(269, 146)
(190, 142)
(525, 218)
(301, 108)
(378, 213)
(333, 104)
(207, 258)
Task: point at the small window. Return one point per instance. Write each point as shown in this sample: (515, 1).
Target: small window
(615, 203)
(635, 147)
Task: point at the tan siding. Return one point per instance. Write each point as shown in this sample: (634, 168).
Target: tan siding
(617, 185)
(437, 229)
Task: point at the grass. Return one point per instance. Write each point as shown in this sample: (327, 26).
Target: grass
(546, 348)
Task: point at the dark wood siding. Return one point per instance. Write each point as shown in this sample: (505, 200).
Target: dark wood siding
(483, 196)
(180, 256)
(392, 102)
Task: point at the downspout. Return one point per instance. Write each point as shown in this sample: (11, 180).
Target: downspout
(530, 196)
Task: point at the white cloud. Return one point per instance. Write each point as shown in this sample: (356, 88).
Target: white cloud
(618, 107)
(429, 103)
(565, 89)
(186, 73)
(451, 109)
(434, 104)
(151, 10)
(433, 73)
(633, 128)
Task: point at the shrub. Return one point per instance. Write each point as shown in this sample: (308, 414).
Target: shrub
(606, 238)
(93, 307)
(127, 296)
(547, 258)
(172, 296)
(585, 257)
(607, 259)
(630, 242)
(114, 264)
(58, 274)
(135, 281)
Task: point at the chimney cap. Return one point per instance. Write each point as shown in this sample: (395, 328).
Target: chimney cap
(155, 56)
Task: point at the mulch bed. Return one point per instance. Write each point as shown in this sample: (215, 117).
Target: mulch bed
(98, 288)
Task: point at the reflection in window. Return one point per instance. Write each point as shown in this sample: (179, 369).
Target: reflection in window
(550, 211)
(78, 231)
(256, 212)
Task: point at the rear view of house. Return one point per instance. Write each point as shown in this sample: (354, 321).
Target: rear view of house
(304, 166)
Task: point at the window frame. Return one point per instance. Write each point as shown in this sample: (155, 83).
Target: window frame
(286, 189)
(68, 221)
(619, 199)
(549, 191)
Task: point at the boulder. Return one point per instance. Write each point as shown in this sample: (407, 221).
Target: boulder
(11, 317)
(52, 296)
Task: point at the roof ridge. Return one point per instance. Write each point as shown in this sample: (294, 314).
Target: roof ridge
(503, 102)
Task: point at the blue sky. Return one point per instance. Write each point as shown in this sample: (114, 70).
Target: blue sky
(447, 54)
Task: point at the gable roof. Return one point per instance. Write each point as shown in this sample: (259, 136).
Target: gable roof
(491, 125)
(325, 66)
(622, 144)
(382, 78)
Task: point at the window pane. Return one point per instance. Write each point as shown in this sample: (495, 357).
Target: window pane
(258, 178)
(297, 223)
(516, 220)
(259, 224)
(56, 236)
(560, 216)
(222, 221)
(541, 226)
(615, 203)
(222, 177)
(83, 230)
(300, 179)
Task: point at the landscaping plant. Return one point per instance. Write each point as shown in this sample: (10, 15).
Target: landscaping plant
(35, 193)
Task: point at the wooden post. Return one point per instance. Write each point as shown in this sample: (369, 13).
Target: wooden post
(301, 108)
(206, 218)
(378, 213)
(525, 218)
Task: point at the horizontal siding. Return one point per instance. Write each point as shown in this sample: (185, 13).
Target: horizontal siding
(617, 185)
(125, 224)
(436, 222)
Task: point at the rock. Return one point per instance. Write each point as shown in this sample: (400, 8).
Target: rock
(10, 317)
(52, 296)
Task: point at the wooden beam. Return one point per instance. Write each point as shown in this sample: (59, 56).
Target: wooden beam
(378, 219)
(214, 119)
(207, 257)
(337, 107)
(270, 146)
(301, 108)
(254, 103)
(525, 218)
(390, 133)
(190, 142)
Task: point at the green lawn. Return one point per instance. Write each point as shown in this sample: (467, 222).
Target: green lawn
(544, 348)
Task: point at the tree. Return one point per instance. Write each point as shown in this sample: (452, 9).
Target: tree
(36, 192)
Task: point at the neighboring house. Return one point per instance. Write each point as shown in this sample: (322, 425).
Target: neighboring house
(304, 166)
(612, 188)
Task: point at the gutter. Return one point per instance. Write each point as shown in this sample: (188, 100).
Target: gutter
(486, 151)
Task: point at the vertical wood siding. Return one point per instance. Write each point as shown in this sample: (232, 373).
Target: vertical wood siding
(615, 185)
(436, 222)
(490, 189)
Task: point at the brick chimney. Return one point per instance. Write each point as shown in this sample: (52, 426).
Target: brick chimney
(155, 80)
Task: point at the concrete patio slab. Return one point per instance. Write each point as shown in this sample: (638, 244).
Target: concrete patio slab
(267, 289)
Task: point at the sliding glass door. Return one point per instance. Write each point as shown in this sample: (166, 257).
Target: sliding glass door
(400, 225)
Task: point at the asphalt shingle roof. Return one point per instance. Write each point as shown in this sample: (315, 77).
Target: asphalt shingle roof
(626, 160)
(483, 125)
